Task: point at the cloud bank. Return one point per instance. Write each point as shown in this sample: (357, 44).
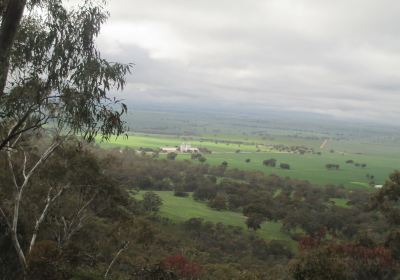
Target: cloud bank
(340, 58)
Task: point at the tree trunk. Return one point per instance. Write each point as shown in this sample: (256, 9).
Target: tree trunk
(11, 20)
(14, 233)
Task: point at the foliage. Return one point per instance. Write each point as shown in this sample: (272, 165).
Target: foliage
(254, 221)
(312, 167)
(218, 202)
(57, 76)
(222, 248)
(172, 156)
(328, 260)
(151, 202)
(284, 166)
(182, 266)
(332, 166)
(270, 162)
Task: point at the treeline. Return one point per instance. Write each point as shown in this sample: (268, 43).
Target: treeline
(297, 204)
(94, 228)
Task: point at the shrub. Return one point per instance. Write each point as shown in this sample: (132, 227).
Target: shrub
(284, 166)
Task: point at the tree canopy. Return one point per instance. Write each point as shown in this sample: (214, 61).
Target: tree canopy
(52, 72)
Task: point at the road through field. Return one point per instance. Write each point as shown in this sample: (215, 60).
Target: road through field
(324, 144)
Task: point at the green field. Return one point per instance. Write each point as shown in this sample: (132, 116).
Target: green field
(340, 202)
(181, 209)
(381, 160)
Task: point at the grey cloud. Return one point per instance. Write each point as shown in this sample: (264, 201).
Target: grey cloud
(339, 58)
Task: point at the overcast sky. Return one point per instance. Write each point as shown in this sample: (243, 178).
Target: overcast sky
(340, 58)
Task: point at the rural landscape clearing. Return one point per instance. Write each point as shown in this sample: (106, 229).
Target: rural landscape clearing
(199, 140)
(303, 151)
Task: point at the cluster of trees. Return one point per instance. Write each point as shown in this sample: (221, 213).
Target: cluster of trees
(302, 208)
(297, 204)
(93, 226)
(272, 163)
(356, 164)
(199, 157)
(293, 149)
(371, 179)
(53, 85)
(332, 166)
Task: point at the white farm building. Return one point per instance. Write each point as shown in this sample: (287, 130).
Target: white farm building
(169, 150)
(183, 148)
(187, 148)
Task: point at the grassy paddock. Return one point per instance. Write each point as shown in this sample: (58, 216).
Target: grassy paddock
(340, 202)
(181, 209)
(309, 167)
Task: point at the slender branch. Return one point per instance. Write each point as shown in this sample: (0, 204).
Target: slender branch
(18, 198)
(123, 248)
(24, 165)
(49, 201)
(14, 130)
(79, 217)
(43, 158)
(11, 166)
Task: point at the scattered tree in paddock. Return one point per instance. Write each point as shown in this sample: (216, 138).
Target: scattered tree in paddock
(350, 161)
(270, 162)
(362, 165)
(204, 193)
(219, 202)
(284, 166)
(202, 159)
(224, 163)
(254, 221)
(332, 166)
(151, 202)
(180, 191)
(172, 156)
(195, 156)
(248, 160)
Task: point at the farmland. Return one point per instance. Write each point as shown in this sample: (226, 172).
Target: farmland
(380, 159)
(180, 209)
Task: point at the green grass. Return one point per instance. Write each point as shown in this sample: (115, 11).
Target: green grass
(340, 202)
(380, 160)
(157, 141)
(181, 209)
(312, 167)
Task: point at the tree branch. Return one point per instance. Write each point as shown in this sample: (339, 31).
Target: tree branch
(18, 198)
(49, 201)
(123, 248)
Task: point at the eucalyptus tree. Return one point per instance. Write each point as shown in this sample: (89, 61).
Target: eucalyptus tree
(52, 72)
(54, 81)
